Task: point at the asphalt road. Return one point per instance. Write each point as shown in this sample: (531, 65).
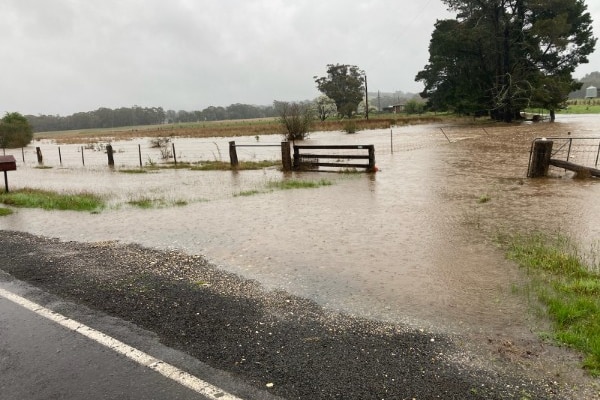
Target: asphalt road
(41, 359)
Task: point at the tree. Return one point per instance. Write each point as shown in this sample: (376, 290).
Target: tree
(15, 131)
(502, 56)
(324, 107)
(296, 119)
(345, 85)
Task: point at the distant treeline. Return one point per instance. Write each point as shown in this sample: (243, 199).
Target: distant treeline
(136, 116)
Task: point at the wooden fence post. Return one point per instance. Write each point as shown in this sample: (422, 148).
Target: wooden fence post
(371, 167)
(40, 158)
(286, 157)
(540, 158)
(233, 154)
(109, 152)
(296, 164)
(140, 153)
(82, 157)
(59, 156)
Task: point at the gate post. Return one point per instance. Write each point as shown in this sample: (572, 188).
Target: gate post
(540, 158)
(371, 167)
(286, 157)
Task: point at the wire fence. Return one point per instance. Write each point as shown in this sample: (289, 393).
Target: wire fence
(584, 151)
(138, 153)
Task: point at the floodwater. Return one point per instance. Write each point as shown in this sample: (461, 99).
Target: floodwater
(412, 243)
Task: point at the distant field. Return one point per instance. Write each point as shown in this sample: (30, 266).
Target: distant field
(591, 108)
(251, 127)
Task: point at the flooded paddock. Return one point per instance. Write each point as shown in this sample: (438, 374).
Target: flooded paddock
(412, 243)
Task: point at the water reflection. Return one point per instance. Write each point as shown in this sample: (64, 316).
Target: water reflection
(412, 242)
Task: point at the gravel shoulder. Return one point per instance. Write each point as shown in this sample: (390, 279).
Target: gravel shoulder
(274, 341)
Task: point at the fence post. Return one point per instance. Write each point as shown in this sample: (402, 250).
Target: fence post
(174, 155)
(140, 153)
(286, 157)
(109, 152)
(233, 154)
(82, 157)
(59, 156)
(371, 158)
(296, 164)
(540, 158)
(40, 158)
(23, 154)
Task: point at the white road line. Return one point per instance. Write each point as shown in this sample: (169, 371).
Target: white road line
(163, 368)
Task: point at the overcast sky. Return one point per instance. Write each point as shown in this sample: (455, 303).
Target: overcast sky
(65, 56)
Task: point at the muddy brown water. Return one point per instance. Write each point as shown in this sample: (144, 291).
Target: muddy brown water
(412, 243)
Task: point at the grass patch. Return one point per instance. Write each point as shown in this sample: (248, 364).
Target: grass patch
(142, 203)
(246, 193)
(567, 287)
(43, 167)
(133, 171)
(47, 200)
(484, 199)
(226, 166)
(5, 211)
(147, 202)
(289, 184)
(581, 108)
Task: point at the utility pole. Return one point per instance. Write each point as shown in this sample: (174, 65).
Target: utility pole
(366, 98)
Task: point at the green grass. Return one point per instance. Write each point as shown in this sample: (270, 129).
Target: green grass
(581, 108)
(142, 203)
(5, 211)
(47, 200)
(288, 184)
(205, 166)
(226, 166)
(147, 202)
(567, 287)
(484, 199)
(246, 193)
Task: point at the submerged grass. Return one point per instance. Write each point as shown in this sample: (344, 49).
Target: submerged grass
(47, 200)
(5, 211)
(288, 184)
(567, 287)
(147, 202)
(226, 166)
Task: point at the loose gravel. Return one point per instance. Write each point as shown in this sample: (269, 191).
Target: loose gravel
(280, 343)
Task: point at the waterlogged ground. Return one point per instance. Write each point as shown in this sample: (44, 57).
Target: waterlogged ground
(413, 243)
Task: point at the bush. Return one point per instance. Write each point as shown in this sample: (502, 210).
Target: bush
(296, 119)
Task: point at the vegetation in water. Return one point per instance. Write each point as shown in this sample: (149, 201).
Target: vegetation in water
(288, 184)
(47, 200)
(567, 287)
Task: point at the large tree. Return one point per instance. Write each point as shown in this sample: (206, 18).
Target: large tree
(501, 56)
(15, 131)
(345, 85)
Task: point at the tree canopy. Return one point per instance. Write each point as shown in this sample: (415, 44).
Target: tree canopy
(344, 84)
(15, 131)
(501, 56)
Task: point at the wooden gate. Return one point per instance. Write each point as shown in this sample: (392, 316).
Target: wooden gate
(310, 157)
